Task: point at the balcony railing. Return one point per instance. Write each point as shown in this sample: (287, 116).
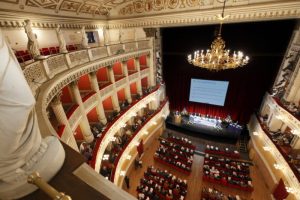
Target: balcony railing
(108, 128)
(279, 148)
(39, 72)
(117, 160)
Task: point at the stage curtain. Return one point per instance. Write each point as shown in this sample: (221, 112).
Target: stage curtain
(280, 192)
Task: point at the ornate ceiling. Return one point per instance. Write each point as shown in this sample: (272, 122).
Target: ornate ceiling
(116, 8)
(159, 12)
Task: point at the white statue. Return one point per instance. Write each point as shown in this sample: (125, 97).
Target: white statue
(106, 36)
(61, 40)
(121, 34)
(32, 45)
(84, 40)
(22, 150)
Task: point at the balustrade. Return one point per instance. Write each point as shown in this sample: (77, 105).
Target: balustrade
(99, 52)
(145, 72)
(271, 153)
(120, 82)
(116, 49)
(78, 57)
(110, 130)
(34, 75)
(74, 118)
(56, 64)
(121, 155)
(132, 77)
(130, 46)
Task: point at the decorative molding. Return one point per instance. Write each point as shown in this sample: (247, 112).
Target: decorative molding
(239, 10)
(243, 13)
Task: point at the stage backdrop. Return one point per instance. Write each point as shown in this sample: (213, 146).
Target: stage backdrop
(264, 42)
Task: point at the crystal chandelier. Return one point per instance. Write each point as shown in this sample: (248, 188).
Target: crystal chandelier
(218, 58)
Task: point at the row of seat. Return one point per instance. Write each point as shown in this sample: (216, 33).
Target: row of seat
(161, 185)
(24, 55)
(227, 172)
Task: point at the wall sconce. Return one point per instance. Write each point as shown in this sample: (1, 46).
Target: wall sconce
(277, 166)
(122, 173)
(154, 123)
(280, 117)
(255, 133)
(295, 132)
(105, 157)
(146, 132)
(290, 190)
(266, 148)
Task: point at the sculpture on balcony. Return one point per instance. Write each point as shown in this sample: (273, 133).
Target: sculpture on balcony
(106, 36)
(84, 40)
(22, 149)
(32, 45)
(61, 40)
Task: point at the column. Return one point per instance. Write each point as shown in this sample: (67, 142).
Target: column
(141, 112)
(130, 121)
(62, 119)
(139, 82)
(99, 107)
(295, 143)
(84, 124)
(114, 95)
(292, 94)
(127, 87)
(274, 123)
(150, 64)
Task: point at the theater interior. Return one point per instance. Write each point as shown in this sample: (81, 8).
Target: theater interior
(116, 100)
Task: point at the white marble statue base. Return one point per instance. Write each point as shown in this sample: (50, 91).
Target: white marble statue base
(47, 162)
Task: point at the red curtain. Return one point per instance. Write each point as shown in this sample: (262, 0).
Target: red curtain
(280, 192)
(247, 85)
(140, 148)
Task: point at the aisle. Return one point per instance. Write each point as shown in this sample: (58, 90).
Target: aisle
(194, 180)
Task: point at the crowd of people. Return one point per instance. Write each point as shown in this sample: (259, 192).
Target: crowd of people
(161, 185)
(122, 139)
(281, 138)
(227, 172)
(183, 141)
(214, 194)
(174, 154)
(227, 152)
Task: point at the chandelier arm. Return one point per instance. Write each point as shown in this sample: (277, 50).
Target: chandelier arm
(223, 10)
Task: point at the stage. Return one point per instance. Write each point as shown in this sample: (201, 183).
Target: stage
(206, 128)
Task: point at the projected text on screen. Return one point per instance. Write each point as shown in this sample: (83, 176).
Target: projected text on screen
(207, 91)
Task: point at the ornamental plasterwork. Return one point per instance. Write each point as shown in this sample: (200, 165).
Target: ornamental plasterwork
(144, 6)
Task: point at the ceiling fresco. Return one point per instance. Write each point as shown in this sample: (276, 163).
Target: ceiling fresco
(112, 8)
